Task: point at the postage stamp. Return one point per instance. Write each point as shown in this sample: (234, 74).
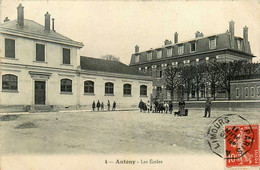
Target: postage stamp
(242, 146)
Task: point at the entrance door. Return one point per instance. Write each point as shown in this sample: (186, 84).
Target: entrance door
(40, 92)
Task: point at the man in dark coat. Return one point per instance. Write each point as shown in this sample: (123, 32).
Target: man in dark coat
(208, 107)
(141, 105)
(93, 105)
(114, 106)
(98, 105)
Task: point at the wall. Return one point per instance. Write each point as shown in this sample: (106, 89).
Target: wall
(53, 53)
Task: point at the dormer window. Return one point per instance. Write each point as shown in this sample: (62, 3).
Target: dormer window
(137, 58)
(239, 44)
(192, 46)
(169, 52)
(180, 50)
(212, 43)
(149, 56)
(159, 54)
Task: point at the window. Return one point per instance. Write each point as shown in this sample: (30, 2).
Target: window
(258, 91)
(169, 52)
(246, 91)
(109, 88)
(237, 92)
(9, 48)
(66, 85)
(212, 43)
(40, 52)
(143, 90)
(137, 57)
(252, 91)
(149, 56)
(239, 44)
(192, 46)
(180, 49)
(127, 89)
(9, 82)
(89, 87)
(202, 91)
(66, 56)
(159, 90)
(159, 72)
(159, 54)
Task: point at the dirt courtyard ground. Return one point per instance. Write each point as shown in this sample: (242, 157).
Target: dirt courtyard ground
(109, 132)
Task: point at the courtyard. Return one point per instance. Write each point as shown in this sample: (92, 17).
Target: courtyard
(87, 132)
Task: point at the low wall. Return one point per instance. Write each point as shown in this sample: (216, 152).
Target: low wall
(225, 105)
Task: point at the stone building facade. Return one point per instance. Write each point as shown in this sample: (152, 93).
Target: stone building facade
(40, 67)
(220, 47)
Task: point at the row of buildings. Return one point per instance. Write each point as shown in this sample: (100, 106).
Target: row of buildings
(42, 68)
(222, 47)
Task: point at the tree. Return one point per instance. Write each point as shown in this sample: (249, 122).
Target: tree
(235, 69)
(173, 79)
(187, 75)
(110, 57)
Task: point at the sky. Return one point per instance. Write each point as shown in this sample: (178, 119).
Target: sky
(115, 27)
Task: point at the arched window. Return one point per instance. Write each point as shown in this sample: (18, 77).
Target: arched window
(159, 71)
(109, 88)
(9, 82)
(88, 87)
(127, 89)
(143, 90)
(66, 85)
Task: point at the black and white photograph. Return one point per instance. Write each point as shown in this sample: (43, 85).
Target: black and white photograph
(113, 84)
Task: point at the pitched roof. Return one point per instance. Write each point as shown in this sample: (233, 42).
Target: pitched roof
(34, 29)
(95, 64)
(223, 41)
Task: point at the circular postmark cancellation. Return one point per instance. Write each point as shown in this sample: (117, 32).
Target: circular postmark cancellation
(230, 136)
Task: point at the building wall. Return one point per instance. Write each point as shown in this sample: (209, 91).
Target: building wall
(245, 89)
(121, 99)
(25, 53)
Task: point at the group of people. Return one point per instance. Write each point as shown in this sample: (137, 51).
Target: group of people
(156, 107)
(165, 107)
(101, 106)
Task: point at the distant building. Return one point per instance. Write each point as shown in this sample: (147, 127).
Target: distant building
(40, 67)
(246, 88)
(219, 47)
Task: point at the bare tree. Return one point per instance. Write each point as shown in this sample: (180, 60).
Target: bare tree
(187, 75)
(173, 79)
(110, 57)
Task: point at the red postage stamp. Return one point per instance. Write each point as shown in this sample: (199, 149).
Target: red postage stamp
(242, 146)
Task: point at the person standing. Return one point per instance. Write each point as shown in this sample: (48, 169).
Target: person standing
(170, 107)
(114, 106)
(108, 105)
(208, 107)
(182, 107)
(102, 106)
(93, 105)
(148, 106)
(141, 105)
(98, 105)
(166, 107)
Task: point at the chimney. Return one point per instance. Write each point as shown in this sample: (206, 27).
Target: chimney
(136, 49)
(175, 38)
(53, 24)
(232, 28)
(245, 33)
(47, 22)
(167, 42)
(198, 34)
(20, 16)
(6, 19)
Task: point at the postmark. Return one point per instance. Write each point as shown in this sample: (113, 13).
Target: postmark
(218, 136)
